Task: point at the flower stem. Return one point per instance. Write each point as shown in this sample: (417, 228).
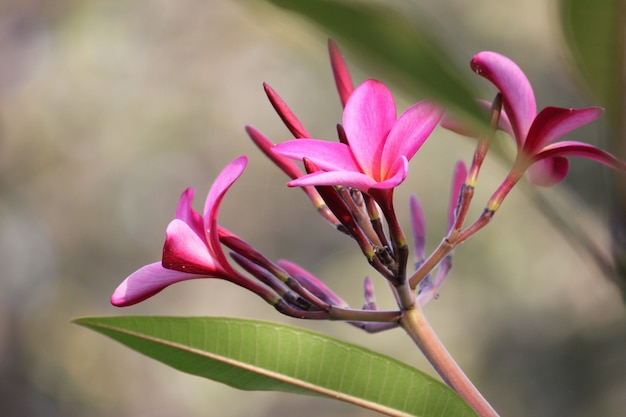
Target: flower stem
(416, 326)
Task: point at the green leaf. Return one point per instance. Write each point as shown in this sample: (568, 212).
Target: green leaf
(400, 44)
(595, 31)
(255, 355)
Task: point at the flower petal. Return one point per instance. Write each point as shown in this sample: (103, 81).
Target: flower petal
(584, 150)
(398, 172)
(548, 171)
(554, 122)
(346, 178)
(146, 282)
(185, 251)
(409, 133)
(517, 93)
(329, 156)
(187, 214)
(367, 119)
(222, 183)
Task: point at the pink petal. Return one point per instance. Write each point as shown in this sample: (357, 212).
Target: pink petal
(517, 93)
(409, 133)
(584, 150)
(345, 87)
(146, 282)
(397, 174)
(330, 156)
(222, 183)
(554, 122)
(187, 214)
(548, 172)
(185, 251)
(347, 179)
(367, 119)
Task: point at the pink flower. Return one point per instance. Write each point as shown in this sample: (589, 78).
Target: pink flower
(535, 134)
(379, 145)
(192, 248)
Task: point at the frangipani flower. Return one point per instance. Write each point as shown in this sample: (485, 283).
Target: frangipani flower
(535, 133)
(379, 145)
(192, 248)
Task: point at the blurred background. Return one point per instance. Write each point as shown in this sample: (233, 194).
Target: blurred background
(109, 110)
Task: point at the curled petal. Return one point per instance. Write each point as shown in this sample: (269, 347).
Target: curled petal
(146, 282)
(409, 133)
(222, 183)
(399, 171)
(187, 214)
(554, 122)
(548, 172)
(517, 93)
(367, 119)
(584, 150)
(185, 251)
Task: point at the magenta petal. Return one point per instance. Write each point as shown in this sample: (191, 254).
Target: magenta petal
(185, 251)
(367, 119)
(548, 172)
(330, 156)
(222, 183)
(397, 174)
(187, 214)
(409, 133)
(347, 179)
(554, 122)
(517, 93)
(146, 282)
(584, 150)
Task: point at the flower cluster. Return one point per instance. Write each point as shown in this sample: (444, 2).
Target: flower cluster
(350, 182)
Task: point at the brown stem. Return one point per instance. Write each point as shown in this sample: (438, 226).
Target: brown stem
(416, 326)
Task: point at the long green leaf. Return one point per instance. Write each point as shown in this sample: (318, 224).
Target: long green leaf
(595, 31)
(255, 355)
(400, 44)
